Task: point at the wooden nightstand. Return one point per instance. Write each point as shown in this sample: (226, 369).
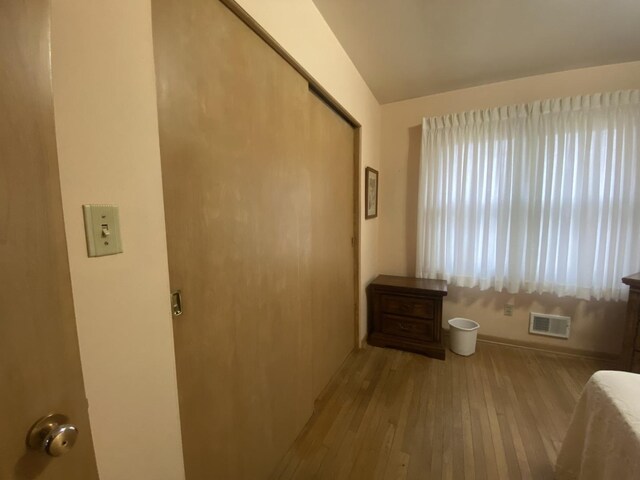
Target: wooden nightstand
(630, 357)
(406, 313)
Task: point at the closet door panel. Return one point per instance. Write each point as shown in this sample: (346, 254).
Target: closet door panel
(233, 127)
(331, 153)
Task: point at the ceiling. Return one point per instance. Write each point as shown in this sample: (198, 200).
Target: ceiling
(410, 48)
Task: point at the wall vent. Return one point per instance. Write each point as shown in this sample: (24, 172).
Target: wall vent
(550, 325)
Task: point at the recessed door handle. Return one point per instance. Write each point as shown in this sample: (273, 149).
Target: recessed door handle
(52, 435)
(176, 303)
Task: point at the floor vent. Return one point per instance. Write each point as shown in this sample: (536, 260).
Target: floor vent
(550, 325)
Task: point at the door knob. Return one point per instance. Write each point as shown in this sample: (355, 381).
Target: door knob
(52, 435)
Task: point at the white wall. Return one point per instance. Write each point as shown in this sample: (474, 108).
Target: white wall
(597, 326)
(299, 27)
(106, 122)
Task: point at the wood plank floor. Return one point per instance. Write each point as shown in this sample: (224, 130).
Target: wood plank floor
(499, 414)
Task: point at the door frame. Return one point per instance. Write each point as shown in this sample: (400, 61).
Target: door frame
(325, 96)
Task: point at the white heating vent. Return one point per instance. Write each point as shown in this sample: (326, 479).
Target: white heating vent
(551, 325)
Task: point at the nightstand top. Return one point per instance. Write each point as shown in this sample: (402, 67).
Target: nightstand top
(438, 287)
(632, 280)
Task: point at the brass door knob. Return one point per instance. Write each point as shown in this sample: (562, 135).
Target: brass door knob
(52, 435)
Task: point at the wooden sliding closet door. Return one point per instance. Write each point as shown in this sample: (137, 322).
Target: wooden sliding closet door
(331, 151)
(238, 213)
(258, 191)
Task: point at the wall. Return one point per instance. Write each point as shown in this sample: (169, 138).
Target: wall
(107, 133)
(300, 28)
(597, 326)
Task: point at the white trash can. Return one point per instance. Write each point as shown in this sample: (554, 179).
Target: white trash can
(462, 336)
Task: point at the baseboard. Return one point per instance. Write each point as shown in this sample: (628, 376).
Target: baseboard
(558, 349)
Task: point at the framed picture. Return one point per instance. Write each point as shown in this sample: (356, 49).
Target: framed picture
(370, 193)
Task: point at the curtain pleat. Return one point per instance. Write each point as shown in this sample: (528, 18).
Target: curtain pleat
(541, 197)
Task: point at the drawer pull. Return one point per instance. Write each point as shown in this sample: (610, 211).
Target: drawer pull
(402, 326)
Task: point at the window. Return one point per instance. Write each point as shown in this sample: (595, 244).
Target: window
(542, 197)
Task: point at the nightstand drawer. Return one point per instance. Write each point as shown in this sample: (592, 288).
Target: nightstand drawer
(402, 305)
(407, 327)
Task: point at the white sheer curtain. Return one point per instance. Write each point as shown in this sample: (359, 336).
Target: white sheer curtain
(543, 197)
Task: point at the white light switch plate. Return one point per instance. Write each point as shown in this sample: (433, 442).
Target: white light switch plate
(102, 229)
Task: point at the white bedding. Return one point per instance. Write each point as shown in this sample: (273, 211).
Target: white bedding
(603, 440)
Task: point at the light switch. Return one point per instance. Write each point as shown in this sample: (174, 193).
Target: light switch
(102, 228)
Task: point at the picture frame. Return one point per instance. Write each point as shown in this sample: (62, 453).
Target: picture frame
(370, 193)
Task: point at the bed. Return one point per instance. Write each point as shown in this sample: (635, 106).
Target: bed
(603, 440)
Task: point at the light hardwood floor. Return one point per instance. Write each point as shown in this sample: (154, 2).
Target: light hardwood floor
(499, 414)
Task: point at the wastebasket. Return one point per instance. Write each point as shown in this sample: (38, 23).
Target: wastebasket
(462, 336)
